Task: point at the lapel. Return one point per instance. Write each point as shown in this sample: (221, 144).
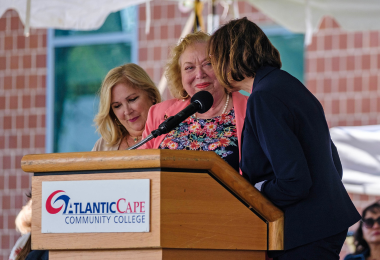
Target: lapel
(176, 107)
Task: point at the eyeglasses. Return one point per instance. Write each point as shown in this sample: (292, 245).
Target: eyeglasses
(369, 222)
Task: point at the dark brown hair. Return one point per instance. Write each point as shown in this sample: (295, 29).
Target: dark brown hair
(240, 48)
(360, 244)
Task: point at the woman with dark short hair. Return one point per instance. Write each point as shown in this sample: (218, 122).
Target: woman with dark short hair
(367, 236)
(287, 151)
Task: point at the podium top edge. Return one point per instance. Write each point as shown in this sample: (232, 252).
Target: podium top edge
(136, 159)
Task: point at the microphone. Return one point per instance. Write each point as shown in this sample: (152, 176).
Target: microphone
(201, 102)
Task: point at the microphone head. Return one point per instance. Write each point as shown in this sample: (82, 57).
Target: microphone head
(204, 99)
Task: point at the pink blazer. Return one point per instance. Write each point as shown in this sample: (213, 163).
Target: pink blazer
(159, 112)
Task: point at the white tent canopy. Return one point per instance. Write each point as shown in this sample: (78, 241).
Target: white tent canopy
(359, 151)
(352, 15)
(66, 14)
(295, 15)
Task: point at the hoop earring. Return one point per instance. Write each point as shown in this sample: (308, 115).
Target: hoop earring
(183, 98)
(229, 78)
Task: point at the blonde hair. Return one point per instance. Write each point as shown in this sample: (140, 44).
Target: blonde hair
(173, 68)
(24, 225)
(132, 75)
(24, 219)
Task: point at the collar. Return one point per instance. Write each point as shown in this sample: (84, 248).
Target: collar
(176, 107)
(262, 73)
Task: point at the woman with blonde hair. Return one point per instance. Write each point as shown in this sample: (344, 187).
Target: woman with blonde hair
(126, 95)
(219, 129)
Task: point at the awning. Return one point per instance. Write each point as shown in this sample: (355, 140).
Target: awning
(65, 14)
(359, 151)
(295, 15)
(305, 16)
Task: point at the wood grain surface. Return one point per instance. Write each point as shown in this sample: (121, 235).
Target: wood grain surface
(154, 158)
(197, 212)
(157, 254)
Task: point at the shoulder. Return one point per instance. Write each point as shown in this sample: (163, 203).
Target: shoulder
(159, 112)
(273, 72)
(271, 78)
(166, 104)
(97, 146)
(240, 104)
(239, 97)
(275, 83)
(169, 107)
(265, 95)
(101, 145)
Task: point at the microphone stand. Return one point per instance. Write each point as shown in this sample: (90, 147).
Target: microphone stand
(200, 102)
(162, 129)
(147, 139)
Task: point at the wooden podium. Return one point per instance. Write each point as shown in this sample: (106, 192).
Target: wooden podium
(200, 207)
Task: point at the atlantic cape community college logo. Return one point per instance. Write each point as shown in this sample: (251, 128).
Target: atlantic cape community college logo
(49, 206)
(96, 206)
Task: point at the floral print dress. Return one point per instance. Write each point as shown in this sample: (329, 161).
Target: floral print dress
(217, 134)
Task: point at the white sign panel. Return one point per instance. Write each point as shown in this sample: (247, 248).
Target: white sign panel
(95, 206)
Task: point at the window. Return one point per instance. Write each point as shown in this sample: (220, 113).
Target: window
(291, 48)
(78, 61)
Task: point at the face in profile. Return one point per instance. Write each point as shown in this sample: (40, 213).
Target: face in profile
(372, 234)
(197, 73)
(131, 106)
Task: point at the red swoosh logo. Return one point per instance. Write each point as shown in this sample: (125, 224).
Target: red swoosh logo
(49, 207)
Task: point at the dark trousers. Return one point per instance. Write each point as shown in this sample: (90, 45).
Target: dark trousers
(326, 249)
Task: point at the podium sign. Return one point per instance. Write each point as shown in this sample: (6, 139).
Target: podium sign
(95, 206)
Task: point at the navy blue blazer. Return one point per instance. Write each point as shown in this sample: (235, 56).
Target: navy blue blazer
(286, 141)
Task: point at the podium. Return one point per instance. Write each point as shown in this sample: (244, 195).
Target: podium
(200, 207)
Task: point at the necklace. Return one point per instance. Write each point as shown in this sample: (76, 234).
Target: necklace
(225, 106)
(224, 109)
(136, 138)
